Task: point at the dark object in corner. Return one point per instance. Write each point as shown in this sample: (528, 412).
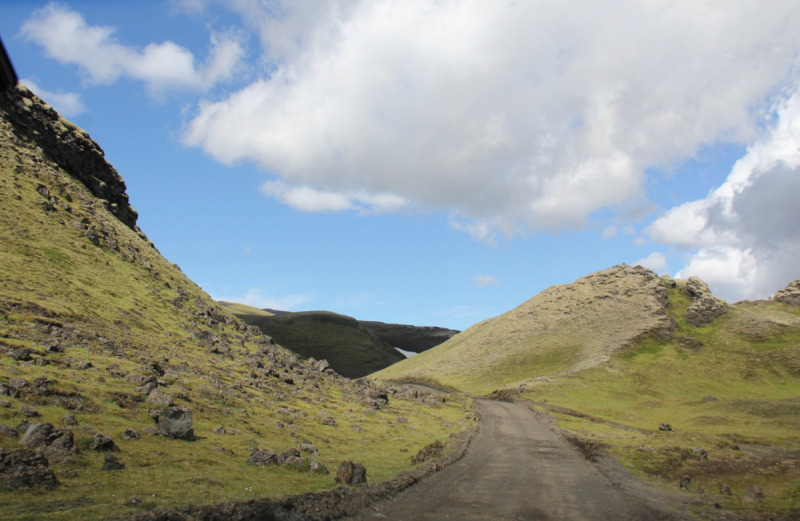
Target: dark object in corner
(8, 77)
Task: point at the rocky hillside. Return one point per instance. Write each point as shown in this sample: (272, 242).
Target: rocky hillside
(565, 328)
(409, 338)
(123, 387)
(351, 350)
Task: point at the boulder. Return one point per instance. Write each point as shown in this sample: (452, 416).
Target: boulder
(130, 434)
(18, 383)
(5, 404)
(24, 468)
(147, 388)
(725, 490)
(111, 462)
(262, 457)
(287, 454)
(103, 443)
(308, 447)
(29, 411)
(150, 431)
(22, 354)
(7, 390)
(39, 434)
(175, 423)
(69, 419)
(665, 427)
(350, 473)
(754, 494)
(701, 453)
(430, 452)
(158, 397)
(686, 482)
(7, 431)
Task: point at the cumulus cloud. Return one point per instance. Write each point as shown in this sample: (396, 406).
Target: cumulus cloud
(66, 103)
(307, 199)
(510, 116)
(67, 38)
(610, 232)
(485, 280)
(656, 261)
(743, 239)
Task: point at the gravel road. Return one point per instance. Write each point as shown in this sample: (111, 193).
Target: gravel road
(517, 469)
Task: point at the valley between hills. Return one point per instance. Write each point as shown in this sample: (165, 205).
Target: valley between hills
(126, 392)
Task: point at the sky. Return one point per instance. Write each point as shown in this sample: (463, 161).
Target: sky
(437, 162)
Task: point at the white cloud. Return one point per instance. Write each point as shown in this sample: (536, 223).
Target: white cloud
(639, 241)
(513, 116)
(254, 298)
(67, 38)
(610, 232)
(67, 104)
(656, 261)
(743, 238)
(485, 280)
(629, 230)
(247, 251)
(308, 199)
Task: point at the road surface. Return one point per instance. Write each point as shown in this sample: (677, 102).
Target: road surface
(516, 469)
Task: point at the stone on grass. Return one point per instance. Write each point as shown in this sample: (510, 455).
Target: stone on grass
(111, 462)
(18, 383)
(665, 427)
(710, 398)
(103, 443)
(262, 457)
(686, 482)
(725, 490)
(39, 434)
(754, 494)
(644, 448)
(7, 390)
(430, 452)
(24, 468)
(288, 453)
(130, 434)
(6, 431)
(158, 397)
(5, 403)
(175, 423)
(69, 419)
(29, 411)
(23, 354)
(350, 473)
(308, 447)
(147, 388)
(68, 473)
(701, 453)
(150, 431)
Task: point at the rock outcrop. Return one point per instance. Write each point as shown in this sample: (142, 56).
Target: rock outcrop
(705, 307)
(71, 148)
(24, 468)
(790, 294)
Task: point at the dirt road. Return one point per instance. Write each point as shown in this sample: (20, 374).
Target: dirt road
(516, 469)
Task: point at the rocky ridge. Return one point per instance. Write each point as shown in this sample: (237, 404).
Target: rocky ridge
(407, 337)
(790, 294)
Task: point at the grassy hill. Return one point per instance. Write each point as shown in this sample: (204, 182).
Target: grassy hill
(89, 310)
(243, 310)
(409, 338)
(351, 350)
(728, 384)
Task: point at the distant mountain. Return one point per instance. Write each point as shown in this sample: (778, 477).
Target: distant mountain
(351, 350)
(409, 338)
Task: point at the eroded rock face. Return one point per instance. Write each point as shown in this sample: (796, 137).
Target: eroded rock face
(175, 423)
(706, 307)
(350, 473)
(790, 294)
(71, 148)
(24, 468)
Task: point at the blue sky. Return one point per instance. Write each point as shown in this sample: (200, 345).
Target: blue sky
(436, 163)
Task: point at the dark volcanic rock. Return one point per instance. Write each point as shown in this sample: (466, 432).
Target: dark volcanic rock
(430, 452)
(101, 442)
(39, 434)
(111, 462)
(24, 468)
(754, 494)
(262, 457)
(175, 423)
(350, 473)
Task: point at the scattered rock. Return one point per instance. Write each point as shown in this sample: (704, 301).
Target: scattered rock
(219, 430)
(400, 419)
(111, 462)
(84, 365)
(158, 397)
(710, 398)
(262, 457)
(103, 443)
(7, 431)
(287, 455)
(29, 411)
(691, 344)
(39, 434)
(725, 490)
(130, 434)
(68, 473)
(69, 419)
(350, 473)
(7, 390)
(430, 452)
(790, 294)
(644, 448)
(147, 388)
(23, 426)
(24, 468)
(665, 427)
(133, 500)
(686, 482)
(5, 404)
(701, 453)
(308, 447)
(18, 383)
(754, 494)
(22, 354)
